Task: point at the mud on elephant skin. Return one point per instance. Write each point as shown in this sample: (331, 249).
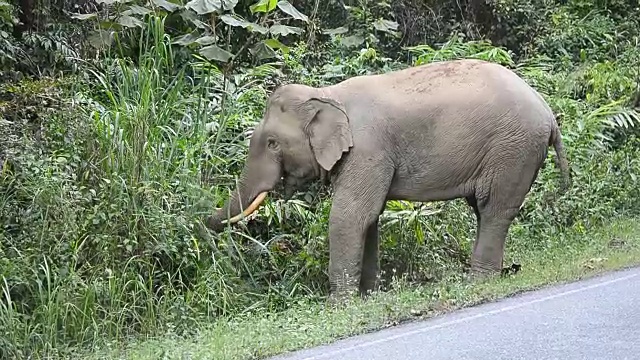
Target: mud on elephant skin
(453, 129)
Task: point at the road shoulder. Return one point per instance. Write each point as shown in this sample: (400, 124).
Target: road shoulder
(415, 332)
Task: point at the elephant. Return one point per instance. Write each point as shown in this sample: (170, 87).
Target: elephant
(452, 129)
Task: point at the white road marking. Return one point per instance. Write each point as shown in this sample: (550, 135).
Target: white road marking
(477, 316)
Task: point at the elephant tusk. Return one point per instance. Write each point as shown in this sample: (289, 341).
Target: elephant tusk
(249, 210)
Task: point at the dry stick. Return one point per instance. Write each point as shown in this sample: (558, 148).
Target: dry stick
(314, 13)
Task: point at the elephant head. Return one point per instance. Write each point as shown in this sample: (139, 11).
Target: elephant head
(303, 133)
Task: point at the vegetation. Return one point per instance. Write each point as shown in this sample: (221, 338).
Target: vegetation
(309, 323)
(124, 122)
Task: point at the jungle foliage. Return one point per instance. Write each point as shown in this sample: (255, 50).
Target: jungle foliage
(124, 122)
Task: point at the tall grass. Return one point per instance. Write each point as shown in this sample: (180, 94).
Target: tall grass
(116, 248)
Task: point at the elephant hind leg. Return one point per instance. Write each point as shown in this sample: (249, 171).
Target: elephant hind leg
(499, 201)
(488, 250)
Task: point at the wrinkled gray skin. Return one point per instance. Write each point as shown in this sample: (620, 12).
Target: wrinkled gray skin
(440, 131)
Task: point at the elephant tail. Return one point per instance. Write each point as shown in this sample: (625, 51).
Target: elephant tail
(561, 157)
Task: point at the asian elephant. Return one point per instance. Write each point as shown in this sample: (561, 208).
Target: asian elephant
(434, 132)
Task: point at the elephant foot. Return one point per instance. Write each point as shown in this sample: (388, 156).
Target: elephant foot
(480, 271)
(342, 296)
(366, 291)
(368, 286)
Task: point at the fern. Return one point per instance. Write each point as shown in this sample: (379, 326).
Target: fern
(616, 120)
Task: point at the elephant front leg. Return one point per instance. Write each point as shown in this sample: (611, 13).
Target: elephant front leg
(347, 237)
(353, 233)
(370, 260)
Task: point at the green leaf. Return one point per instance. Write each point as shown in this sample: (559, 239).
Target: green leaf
(265, 6)
(100, 38)
(110, 25)
(202, 7)
(129, 21)
(385, 25)
(257, 28)
(136, 10)
(200, 24)
(286, 7)
(284, 30)
(206, 40)
(169, 6)
(262, 51)
(186, 39)
(111, 2)
(229, 4)
(336, 31)
(214, 52)
(353, 40)
(234, 20)
(82, 16)
(276, 44)
(192, 17)
(208, 6)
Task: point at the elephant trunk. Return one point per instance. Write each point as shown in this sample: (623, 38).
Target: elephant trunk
(244, 200)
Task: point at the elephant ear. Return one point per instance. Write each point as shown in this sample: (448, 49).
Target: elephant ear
(328, 131)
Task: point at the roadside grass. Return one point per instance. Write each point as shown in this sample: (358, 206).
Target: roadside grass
(579, 253)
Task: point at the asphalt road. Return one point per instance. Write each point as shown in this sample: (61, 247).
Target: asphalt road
(594, 319)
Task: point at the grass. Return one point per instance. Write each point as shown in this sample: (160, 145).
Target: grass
(307, 324)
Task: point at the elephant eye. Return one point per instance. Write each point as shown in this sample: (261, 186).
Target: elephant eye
(272, 144)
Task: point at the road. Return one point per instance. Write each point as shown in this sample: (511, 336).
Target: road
(597, 318)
